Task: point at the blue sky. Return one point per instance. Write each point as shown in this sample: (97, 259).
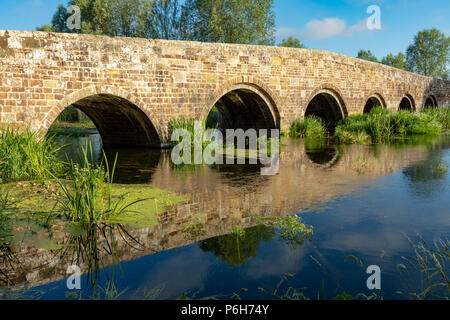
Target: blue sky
(333, 25)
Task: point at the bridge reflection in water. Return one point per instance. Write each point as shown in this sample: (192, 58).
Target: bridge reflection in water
(227, 196)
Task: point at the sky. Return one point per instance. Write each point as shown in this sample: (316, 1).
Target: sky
(333, 25)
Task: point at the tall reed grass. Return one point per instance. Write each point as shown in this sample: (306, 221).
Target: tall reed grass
(382, 125)
(311, 127)
(88, 194)
(24, 156)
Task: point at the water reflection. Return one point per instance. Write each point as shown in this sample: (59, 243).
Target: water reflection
(428, 179)
(235, 250)
(359, 205)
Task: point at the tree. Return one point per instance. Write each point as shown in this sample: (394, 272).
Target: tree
(397, 61)
(164, 20)
(107, 17)
(291, 42)
(429, 54)
(367, 55)
(229, 21)
(46, 28)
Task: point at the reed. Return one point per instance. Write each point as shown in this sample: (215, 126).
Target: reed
(382, 125)
(23, 156)
(311, 127)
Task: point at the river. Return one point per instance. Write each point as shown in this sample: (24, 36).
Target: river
(361, 202)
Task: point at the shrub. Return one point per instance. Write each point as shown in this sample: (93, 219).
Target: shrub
(310, 127)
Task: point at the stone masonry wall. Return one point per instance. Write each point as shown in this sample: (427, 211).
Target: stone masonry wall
(42, 73)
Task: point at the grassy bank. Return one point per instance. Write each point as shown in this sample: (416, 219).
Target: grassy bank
(382, 125)
(24, 156)
(83, 193)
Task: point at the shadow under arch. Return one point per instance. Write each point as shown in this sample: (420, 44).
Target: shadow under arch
(374, 100)
(244, 105)
(120, 122)
(407, 103)
(327, 103)
(430, 101)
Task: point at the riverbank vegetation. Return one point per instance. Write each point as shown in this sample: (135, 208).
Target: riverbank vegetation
(39, 184)
(378, 126)
(311, 127)
(23, 156)
(382, 125)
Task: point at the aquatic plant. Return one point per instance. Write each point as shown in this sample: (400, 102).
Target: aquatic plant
(87, 197)
(310, 127)
(293, 231)
(382, 125)
(441, 115)
(23, 156)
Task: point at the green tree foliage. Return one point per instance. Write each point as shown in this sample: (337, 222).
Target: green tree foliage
(397, 61)
(164, 21)
(108, 17)
(46, 28)
(229, 21)
(367, 55)
(291, 42)
(429, 54)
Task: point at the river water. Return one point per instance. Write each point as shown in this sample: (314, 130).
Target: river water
(361, 202)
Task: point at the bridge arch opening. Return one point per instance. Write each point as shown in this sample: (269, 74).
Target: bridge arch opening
(430, 102)
(373, 102)
(407, 103)
(243, 108)
(328, 106)
(119, 121)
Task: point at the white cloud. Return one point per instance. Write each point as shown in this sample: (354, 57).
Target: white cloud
(324, 29)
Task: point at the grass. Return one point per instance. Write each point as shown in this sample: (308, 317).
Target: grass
(432, 264)
(382, 125)
(90, 196)
(23, 156)
(311, 127)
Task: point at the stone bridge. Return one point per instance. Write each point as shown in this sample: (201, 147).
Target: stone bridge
(131, 88)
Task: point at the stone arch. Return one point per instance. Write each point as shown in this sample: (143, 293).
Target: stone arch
(327, 103)
(430, 101)
(373, 100)
(407, 103)
(117, 115)
(245, 103)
